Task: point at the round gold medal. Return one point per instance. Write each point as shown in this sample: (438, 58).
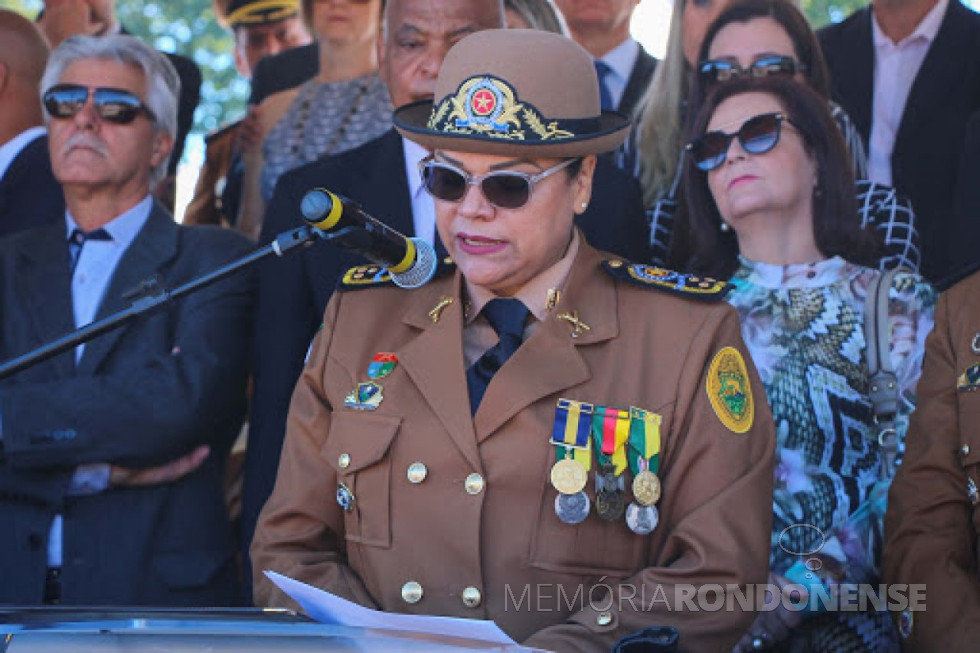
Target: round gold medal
(568, 477)
(646, 488)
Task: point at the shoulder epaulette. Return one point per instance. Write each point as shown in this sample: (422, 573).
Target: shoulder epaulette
(375, 276)
(685, 285)
(220, 131)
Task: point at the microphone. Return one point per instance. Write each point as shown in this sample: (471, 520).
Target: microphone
(411, 262)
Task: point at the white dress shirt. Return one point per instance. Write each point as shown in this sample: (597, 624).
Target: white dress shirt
(423, 206)
(895, 69)
(97, 262)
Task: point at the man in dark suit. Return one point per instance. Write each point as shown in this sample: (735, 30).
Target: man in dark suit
(111, 455)
(908, 74)
(625, 68)
(964, 233)
(29, 194)
(382, 176)
(63, 18)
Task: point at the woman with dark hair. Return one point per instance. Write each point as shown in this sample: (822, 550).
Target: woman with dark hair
(771, 205)
(759, 38)
(766, 37)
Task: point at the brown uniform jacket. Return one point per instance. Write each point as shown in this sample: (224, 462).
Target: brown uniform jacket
(931, 525)
(205, 206)
(542, 580)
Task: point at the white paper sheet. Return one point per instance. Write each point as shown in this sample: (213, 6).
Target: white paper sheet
(330, 609)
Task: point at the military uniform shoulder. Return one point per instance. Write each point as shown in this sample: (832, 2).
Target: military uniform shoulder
(375, 276)
(221, 132)
(686, 285)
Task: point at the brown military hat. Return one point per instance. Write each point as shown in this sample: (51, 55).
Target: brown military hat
(515, 92)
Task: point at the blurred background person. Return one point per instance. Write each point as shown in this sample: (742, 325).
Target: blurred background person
(908, 74)
(63, 18)
(623, 66)
(260, 28)
(771, 201)
(345, 105)
(29, 194)
(654, 151)
(533, 14)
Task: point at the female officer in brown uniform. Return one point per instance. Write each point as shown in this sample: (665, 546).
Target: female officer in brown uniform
(931, 524)
(548, 437)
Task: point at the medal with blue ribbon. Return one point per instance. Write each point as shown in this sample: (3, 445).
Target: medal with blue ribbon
(570, 473)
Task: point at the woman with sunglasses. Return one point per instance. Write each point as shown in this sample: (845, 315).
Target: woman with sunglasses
(772, 209)
(758, 38)
(541, 419)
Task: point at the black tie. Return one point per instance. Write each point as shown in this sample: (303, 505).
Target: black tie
(507, 317)
(603, 69)
(77, 240)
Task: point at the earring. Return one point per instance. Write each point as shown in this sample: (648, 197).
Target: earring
(724, 227)
(585, 205)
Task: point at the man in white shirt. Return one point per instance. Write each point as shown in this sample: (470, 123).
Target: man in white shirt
(908, 74)
(29, 194)
(603, 29)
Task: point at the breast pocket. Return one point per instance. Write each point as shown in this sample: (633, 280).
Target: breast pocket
(357, 449)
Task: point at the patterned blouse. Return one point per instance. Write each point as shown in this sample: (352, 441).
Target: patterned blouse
(803, 325)
(325, 118)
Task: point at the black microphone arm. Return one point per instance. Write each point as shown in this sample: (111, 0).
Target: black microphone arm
(411, 262)
(150, 296)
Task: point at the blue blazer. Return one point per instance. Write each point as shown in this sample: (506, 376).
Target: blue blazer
(140, 396)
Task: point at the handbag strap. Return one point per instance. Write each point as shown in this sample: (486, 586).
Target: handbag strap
(882, 379)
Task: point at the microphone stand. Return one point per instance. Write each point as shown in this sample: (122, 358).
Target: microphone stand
(150, 296)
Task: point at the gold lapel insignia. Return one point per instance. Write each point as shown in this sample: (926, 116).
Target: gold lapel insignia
(578, 326)
(436, 312)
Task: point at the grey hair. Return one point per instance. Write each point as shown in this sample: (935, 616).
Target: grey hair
(163, 83)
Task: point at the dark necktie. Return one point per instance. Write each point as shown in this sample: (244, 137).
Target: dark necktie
(603, 70)
(507, 317)
(77, 240)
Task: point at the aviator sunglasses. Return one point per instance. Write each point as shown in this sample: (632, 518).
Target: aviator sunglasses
(723, 70)
(757, 135)
(505, 189)
(112, 104)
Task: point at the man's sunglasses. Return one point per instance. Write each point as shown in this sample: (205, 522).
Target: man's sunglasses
(112, 104)
(723, 70)
(757, 135)
(506, 189)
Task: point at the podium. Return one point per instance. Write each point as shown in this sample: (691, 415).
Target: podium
(225, 630)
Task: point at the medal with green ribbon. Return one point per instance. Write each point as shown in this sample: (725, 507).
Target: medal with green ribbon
(642, 515)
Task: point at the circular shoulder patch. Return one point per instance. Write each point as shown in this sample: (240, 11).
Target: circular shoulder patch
(729, 391)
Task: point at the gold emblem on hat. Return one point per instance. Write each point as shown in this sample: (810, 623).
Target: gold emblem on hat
(489, 106)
